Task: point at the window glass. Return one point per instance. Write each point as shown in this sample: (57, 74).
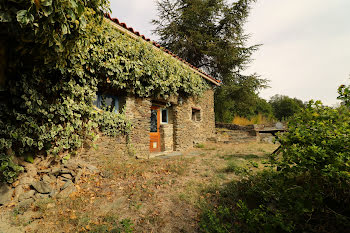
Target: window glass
(164, 115)
(154, 120)
(107, 102)
(96, 101)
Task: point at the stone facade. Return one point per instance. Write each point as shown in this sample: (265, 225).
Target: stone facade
(138, 111)
(190, 121)
(188, 128)
(167, 137)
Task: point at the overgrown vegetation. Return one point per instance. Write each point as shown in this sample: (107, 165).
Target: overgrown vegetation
(306, 188)
(58, 52)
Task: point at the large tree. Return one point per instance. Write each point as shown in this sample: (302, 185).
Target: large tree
(284, 107)
(209, 34)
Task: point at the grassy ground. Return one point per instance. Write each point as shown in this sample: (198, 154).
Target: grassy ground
(156, 195)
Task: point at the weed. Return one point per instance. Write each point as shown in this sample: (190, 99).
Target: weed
(234, 168)
(179, 167)
(254, 164)
(113, 225)
(221, 176)
(199, 145)
(210, 148)
(41, 205)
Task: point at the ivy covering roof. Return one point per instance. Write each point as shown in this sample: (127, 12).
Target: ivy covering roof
(124, 28)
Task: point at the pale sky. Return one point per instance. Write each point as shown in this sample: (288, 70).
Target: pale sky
(305, 52)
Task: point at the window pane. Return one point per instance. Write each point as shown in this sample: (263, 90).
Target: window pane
(164, 116)
(154, 123)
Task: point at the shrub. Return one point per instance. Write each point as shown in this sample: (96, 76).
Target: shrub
(271, 202)
(307, 188)
(317, 142)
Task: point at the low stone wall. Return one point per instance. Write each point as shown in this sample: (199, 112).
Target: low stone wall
(224, 135)
(238, 127)
(54, 181)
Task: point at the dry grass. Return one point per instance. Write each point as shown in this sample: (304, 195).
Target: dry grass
(258, 119)
(157, 195)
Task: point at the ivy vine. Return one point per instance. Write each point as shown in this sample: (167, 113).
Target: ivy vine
(58, 54)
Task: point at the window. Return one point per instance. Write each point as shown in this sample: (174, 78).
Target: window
(154, 120)
(107, 102)
(164, 116)
(196, 114)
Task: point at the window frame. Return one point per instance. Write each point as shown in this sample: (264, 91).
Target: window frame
(196, 112)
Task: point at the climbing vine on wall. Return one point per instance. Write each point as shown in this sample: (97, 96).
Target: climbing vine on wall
(58, 52)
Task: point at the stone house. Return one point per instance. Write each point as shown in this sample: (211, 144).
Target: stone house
(163, 126)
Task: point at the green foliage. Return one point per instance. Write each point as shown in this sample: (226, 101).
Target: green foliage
(237, 170)
(317, 142)
(307, 188)
(112, 224)
(263, 107)
(199, 145)
(59, 52)
(139, 68)
(344, 94)
(285, 107)
(274, 203)
(243, 102)
(112, 124)
(8, 169)
(209, 34)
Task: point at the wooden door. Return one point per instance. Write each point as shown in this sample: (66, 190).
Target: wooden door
(154, 130)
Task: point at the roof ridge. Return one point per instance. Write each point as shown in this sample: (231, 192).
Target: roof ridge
(130, 29)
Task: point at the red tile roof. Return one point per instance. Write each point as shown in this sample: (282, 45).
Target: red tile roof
(116, 21)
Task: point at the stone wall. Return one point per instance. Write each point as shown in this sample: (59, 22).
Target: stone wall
(166, 137)
(181, 133)
(187, 131)
(138, 111)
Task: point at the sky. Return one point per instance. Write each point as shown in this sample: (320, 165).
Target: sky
(305, 50)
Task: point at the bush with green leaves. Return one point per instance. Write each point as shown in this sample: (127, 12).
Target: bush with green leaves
(272, 202)
(306, 189)
(9, 169)
(317, 142)
(59, 52)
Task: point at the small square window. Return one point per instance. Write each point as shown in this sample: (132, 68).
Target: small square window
(164, 116)
(196, 114)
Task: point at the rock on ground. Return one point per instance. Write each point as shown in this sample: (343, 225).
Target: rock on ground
(5, 194)
(42, 187)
